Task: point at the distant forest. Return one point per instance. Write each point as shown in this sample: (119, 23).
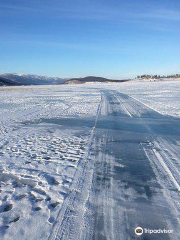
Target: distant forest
(147, 76)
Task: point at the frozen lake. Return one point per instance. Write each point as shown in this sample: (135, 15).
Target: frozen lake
(90, 161)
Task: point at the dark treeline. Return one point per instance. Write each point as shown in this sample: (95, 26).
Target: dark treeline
(147, 76)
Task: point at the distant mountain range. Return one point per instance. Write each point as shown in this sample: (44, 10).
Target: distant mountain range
(13, 79)
(91, 79)
(8, 82)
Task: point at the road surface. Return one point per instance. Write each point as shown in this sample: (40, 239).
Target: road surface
(129, 177)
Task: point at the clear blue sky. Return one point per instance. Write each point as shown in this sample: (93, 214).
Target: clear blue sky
(71, 38)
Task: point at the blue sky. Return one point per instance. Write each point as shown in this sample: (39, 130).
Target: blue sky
(76, 38)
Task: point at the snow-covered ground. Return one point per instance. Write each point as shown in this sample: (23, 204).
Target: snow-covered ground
(41, 146)
(162, 96)
(39, 157)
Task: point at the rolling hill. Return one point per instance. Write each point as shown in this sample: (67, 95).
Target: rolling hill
(91, 79)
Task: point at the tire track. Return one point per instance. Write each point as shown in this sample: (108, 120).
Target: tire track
(69, 222)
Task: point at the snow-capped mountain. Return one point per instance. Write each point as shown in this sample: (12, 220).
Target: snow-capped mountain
(29, 79)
